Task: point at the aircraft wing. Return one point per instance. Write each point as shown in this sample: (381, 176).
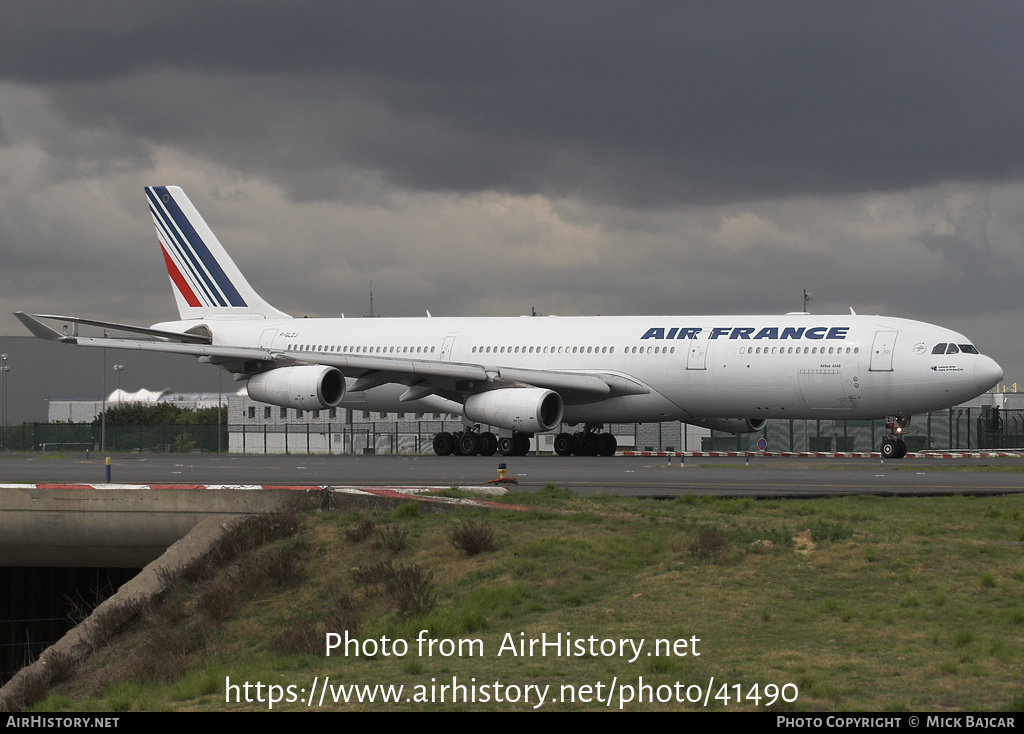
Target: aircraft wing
(423, 377)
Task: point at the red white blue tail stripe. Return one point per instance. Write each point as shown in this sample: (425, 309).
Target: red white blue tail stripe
(193, 267)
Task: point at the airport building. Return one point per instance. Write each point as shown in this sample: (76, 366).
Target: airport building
(993, 420)
(256, 428)
(86, 411)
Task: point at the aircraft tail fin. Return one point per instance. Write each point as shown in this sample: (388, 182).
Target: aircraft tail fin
(205, 280)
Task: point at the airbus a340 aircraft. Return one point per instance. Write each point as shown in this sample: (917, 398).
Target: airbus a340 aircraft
(526, 375)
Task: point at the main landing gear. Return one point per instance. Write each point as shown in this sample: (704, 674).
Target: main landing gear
(471, 442)
(893, 446)
(587, 442)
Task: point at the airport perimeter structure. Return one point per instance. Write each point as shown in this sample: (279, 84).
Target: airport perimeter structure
(253, 428)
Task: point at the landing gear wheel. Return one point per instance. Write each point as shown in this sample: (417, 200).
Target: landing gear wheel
(506, 447)
(522, 444)
(488, 444)
(457, 443)
(590, 444)
(563, 444)
(608, 444)
(469, 443)
(893, 448)
(444, 443)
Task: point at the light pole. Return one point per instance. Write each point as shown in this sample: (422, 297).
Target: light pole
(3, 401)
(118, 368)
(103, 415)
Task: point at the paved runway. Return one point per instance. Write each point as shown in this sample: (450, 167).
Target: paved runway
(631, 476)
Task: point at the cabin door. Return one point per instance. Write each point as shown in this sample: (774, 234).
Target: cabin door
(881, 351)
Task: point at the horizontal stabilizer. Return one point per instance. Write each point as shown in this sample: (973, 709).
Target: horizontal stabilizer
(51, 334)
(39, 329)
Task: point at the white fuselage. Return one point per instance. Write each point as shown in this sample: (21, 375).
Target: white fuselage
(752, 367)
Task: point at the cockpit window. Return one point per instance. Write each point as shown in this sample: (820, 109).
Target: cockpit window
(952, 349)
(969, 349)
(939, 349)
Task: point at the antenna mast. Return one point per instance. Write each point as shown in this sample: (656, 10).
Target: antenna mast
(372, 315)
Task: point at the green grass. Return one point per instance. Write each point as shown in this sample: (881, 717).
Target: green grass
(862, 603)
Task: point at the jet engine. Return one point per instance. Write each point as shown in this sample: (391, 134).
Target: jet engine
(523, 409)
(311, 387)
(733, 425)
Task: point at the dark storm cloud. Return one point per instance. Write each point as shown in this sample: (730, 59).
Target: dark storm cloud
(645, 103)
(483, 158)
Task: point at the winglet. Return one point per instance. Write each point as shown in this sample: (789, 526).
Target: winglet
(41, 330)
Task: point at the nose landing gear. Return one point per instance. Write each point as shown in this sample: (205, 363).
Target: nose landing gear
(893, 446)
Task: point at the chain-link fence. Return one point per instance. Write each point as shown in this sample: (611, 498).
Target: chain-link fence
(65, 437)
(954, 429)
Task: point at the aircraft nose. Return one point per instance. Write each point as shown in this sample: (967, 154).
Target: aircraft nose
(987, 373)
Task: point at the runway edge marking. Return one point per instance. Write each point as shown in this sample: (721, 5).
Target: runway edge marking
(413, 493)
(835, 454)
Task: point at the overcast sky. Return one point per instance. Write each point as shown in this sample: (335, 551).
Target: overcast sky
(486, 158)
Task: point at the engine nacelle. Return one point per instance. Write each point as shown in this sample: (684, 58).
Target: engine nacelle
(524, 409)
(733, 425)
(311, 387)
